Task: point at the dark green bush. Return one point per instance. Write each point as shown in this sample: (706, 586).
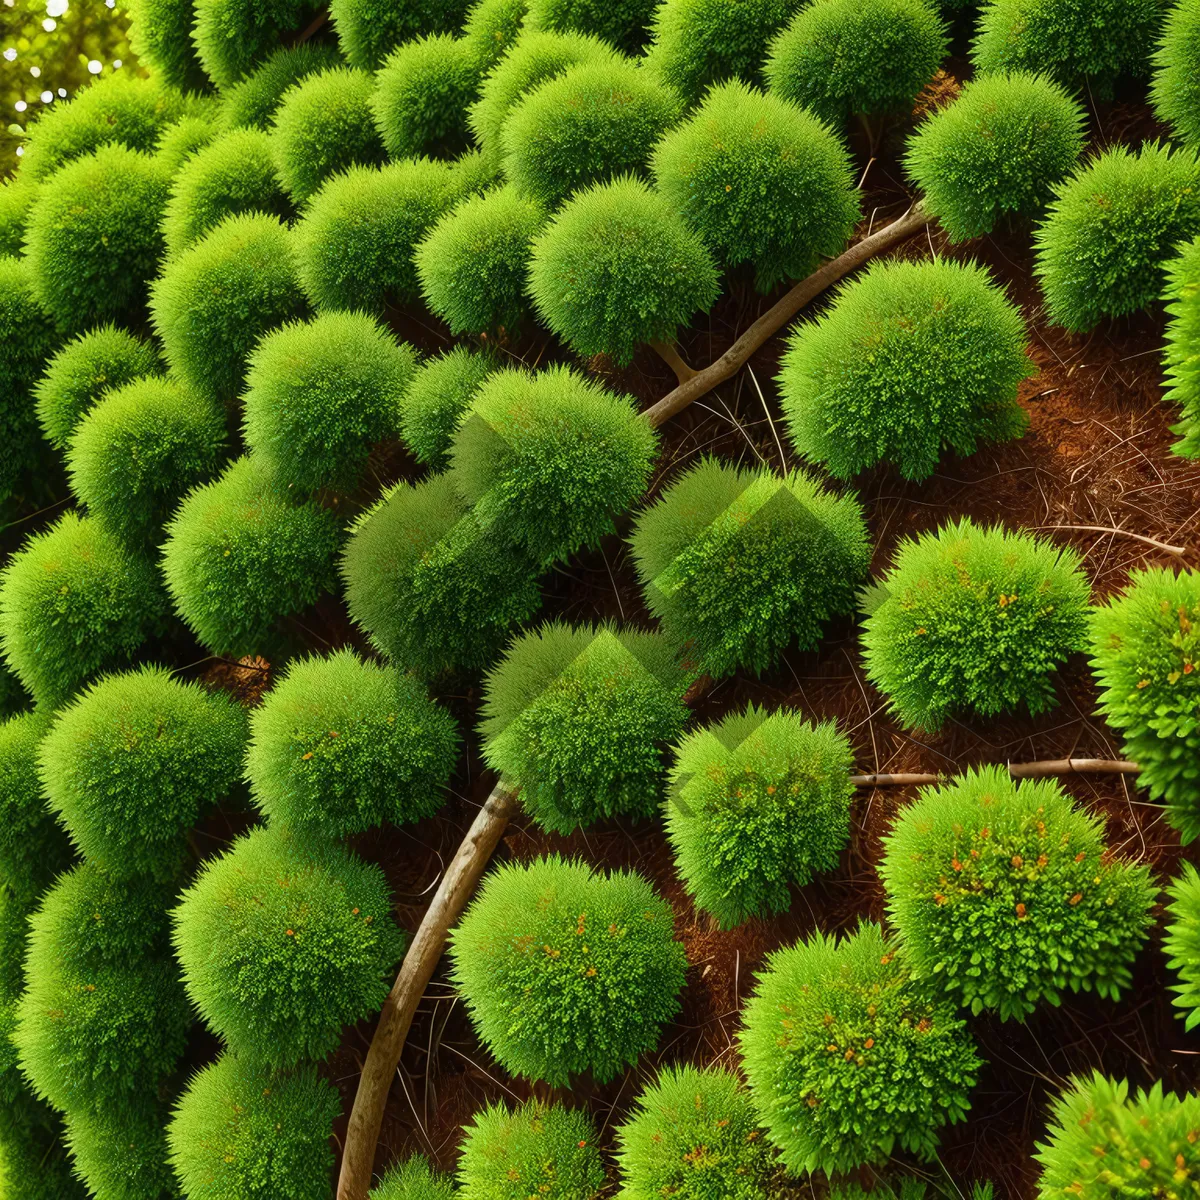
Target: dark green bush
(180, 140)
(1175, 92)
(737, 564)
(121, 1156)
(760, 801)
(251, 102)
(160, 32)
(974, 620)
(912, 359)
(32, 1150)
(997, 150)
(340, 745)
(233, 36)
(1182, 943)
(441, 391)
(413, 1179)
(369, 29)
(283, 941)
(849, 1058)
(565, 971)
(1181, 357)
(577, 718)
(17, 195)
(623, 23)
(490, 29)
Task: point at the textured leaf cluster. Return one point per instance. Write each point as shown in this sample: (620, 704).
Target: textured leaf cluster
(624, 23)
(413, 1179)
(1175, 90)
(1182, 943)
(1181, 357)
(441, 391)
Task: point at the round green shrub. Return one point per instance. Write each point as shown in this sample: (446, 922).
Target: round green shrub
(491, 28)
(472, 264)
(160, 32)
(368, 30)
(17, 195)
(431, 586)
(576, 718)
(121, 1156)
(441, 391)
(213, 302)
(848, 1056)
(998, 149)
(594, 122)
(180, 140)
(283, 941)
(617, 266)
(762, 181)
(241, 554)
(232, 36)
(622, 23)
(1182, 943)
(1145, 647)
(1175, 91)
(913, 358)
(1111, 228)
(565, 971)
(693, 1134)
(550, 458)
(94, 240)
(1181, 357)
(340, 745)
(138, 451)
(83, 371)
(759, 801)
(244, 1132)
(974, 620)
(1006, 894)
(738, 564)
(414, 1179)
(251, 102)
(73, 603)
(319, 394)
(1101, 1138)
(539, 1149)
(134, 762)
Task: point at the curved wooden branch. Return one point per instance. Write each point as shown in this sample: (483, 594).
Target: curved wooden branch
(1031, 770)
(1178, 551)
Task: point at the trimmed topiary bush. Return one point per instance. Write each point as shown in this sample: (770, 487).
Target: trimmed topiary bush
(369, 29)
(232, 36)
(180, 140)
(912, 359)
(617, 266)
(283, 941)
(1145, 650)
(623, 23)
(577, 718)
(413, 1179)
(244, 1132)
(121, 1156)
(251, 102)
(1181, 357)
(694, 1134)
(319, 394)
(762, 181)
(1175, 91)
(974, 620)
(441, 391)
(760, 801)
(997, 150)
(134, 762)
(491, 28)
(539, 1149)
(340, 745)
(848, 1057)
(160, 32)
(1182, 943)
(737, 564)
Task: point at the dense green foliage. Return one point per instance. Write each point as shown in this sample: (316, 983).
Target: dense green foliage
(121, 1155)
(441, 391)
(180, 140)
(1175, 92)
(1181, 357)
(491, 28)
(232, 36)
(565, 971)
(368, 29)
(413, 1179)
(251, 102)
(913, 358)
(848, 1057)
(32, 1150)
(623, 23)
(160, 32)
(16, 199)
(1182, 943)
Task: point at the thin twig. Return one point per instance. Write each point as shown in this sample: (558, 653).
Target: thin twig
(1178, 551)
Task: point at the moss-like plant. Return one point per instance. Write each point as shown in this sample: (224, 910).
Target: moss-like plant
(565, 971)
(1182, 943)
(414, 1179)
(32, 1150)
(539, 1149)
(1175, 92)
(912, 359)
(617, 266)
(1111, 228)
(181, 139)
(760, 801)
(17, 194)
(318, 396)
(283, 941)
(1146, 657)
(216, 300)
(134, 762)
(694, 1134)
(340, 745)
(1182, 356)
(369, 29)
(848, 1057)
(441, 391)
(971, 619)
(244, 1132)
(160, 32)
(737, 564)
(622, 23)
(997, 150)
(232, 36)
(490, 29)
(762, 181)
(251, 102)
(122, 1155)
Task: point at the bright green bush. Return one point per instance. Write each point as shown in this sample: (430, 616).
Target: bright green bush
(1145, 647)
(997, 150)
(1175, 92)
(160, 32)
(577, 718)
(244, 1132)
(759, 801)
(491, 28)
(693, 1134)
(232, 36)
(283, 941)
(1182, 943)
(413, 1179)
(761, 180)
(623, 23)
(180, 140)
(319, 394)
(213, 302)
(134, 762)
(738, 564)
(251, 102)
(565, 971)
(617, 266)
(16, 201)
(1181, 357)
(971, 619)
(441, 391)
(369, 29)
(340, 745)
(913, 358)
(848, 1058)
(121, 1156)
(1111, 228)
(539, 1149)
